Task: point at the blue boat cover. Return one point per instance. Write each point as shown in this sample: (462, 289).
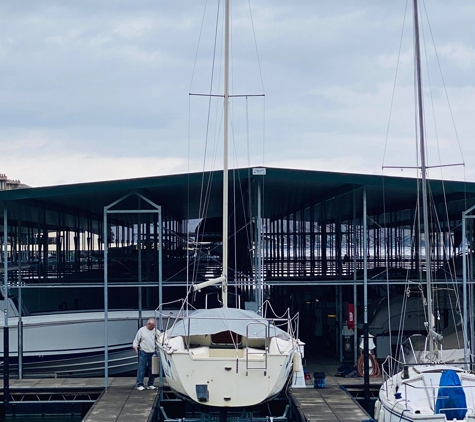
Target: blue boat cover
(451, 398)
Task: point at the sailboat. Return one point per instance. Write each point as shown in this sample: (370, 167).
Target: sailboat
(227, 357)
(432, 390)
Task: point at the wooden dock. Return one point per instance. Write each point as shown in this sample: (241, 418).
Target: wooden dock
(332, 403)
(122, 402)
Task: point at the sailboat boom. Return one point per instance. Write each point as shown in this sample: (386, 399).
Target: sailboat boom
(204, 284)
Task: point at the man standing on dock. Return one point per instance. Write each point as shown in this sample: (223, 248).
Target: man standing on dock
(144, 345)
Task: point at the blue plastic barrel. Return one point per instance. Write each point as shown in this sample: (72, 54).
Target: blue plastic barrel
(319, 380)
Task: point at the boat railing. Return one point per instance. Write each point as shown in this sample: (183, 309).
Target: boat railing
(167, 314)
(264, 353)
(291, 323)
(392, 366)
(408, 392)
(414, 351)
(277, 323)
(416, 393)
(181, 319)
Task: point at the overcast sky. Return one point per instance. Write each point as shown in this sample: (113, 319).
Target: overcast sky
(99, 90)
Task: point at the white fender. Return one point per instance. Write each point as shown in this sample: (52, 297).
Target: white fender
(297, 362)
(155, 364)
(378, 415)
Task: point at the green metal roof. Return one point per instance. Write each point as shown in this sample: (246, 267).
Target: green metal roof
(285, 192)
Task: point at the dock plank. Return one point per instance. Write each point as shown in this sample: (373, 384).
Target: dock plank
(122, 402)
(330, 404)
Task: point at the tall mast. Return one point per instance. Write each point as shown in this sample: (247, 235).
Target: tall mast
(225, 158)
(425, 208)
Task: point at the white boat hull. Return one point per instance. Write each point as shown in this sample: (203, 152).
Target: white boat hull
(414, 398)
(76, 366)
(72, 344)
(228, 357)
(227, 381)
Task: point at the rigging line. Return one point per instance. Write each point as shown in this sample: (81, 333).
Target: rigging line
(264, 133)
(427, 167)
(447, 261)
(387, 266)
(212, 76)
(211, 83)
(263, 189)
(400, 333)
(247, 226)
(239, 180)
(234, 214)
(204, 205)
(451, 244)
(418, 167)
(248, 214)
(394, 85)
(255, 44)
(455, 325)
(247, 134)
(205, 198)
(437, 139)
(236, 180)
(419, 136)
(371, 219)
(436, 247)
(448, 102)
(416, 246)
(250, 233)
(432, 99)
(205, 190)
(262, 81)
(444, 85)
(435, 121)
(188, 199)
(198, 44)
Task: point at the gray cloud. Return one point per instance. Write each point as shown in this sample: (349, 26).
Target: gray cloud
(103, 81)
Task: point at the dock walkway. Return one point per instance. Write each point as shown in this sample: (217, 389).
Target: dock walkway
(332, 403)
(121, 402)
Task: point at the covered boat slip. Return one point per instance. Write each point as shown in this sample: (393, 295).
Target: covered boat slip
(307, 225)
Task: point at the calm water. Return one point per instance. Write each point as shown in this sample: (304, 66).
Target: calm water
(45, 418)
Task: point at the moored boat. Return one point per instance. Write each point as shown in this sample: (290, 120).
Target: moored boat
(431, 390)
(228, 357)
(71, 344)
